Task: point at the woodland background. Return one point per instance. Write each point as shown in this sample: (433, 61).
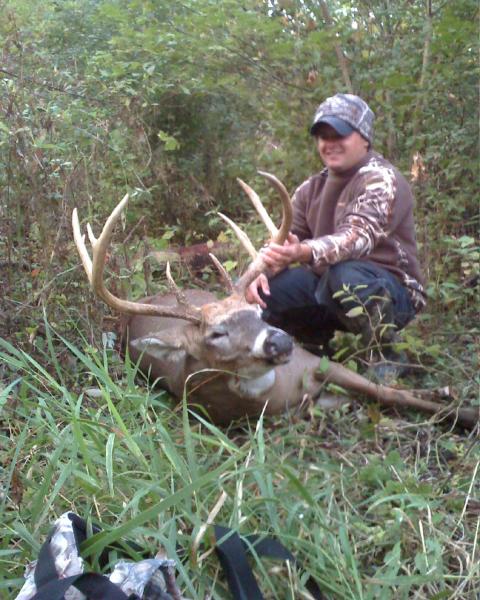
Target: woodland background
(171, 101)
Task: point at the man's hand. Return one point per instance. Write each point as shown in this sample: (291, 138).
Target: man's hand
(252, 293)
(279, 257)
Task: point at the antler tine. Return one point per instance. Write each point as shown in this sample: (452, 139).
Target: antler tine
(179, 295)
(95, 269)
(227, 280)
(258, 265)
(91, 237)
(99, 246)
(287, 211)
(257, 204)
(241, 235)
(81, 247)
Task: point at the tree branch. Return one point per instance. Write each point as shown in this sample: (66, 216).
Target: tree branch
(421, 92)
(338, 49)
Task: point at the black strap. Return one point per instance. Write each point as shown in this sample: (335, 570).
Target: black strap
(232, 557)
(45, 569)
(93, 585)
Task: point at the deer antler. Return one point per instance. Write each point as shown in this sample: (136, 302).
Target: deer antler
(257, 204)
(279, 236)
(95, 266)
(241, 235)
(227, 280)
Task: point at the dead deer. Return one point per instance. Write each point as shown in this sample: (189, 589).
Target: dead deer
(220, 353)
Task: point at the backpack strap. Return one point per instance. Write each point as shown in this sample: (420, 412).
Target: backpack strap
(93, 585)
(233, 558)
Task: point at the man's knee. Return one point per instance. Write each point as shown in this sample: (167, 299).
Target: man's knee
(291, 288)
(359, 281)
(372, 287)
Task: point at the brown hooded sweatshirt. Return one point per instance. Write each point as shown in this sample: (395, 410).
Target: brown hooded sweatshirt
(365, 213)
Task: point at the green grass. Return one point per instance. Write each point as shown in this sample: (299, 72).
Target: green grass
(385, 511)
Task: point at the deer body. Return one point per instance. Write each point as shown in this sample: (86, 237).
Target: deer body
(228, 388)
(175, 354)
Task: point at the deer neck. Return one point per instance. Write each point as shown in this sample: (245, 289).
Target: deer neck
(252, 387)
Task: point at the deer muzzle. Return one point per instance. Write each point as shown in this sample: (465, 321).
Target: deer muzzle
(278, 346)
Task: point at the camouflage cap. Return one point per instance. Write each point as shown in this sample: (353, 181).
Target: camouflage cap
(345, 113)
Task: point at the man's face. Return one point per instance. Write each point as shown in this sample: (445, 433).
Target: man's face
(340, 153)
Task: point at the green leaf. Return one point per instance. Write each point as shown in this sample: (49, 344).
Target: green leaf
(171, 144)
(355, 312)
(230, 265)
(324, 364)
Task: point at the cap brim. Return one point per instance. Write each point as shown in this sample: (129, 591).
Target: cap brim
(341, 127)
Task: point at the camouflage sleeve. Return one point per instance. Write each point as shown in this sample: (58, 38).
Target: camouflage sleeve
(365, 221)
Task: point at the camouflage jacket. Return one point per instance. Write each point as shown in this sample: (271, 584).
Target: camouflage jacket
(365, 213)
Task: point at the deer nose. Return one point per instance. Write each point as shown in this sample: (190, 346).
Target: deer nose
(277, 343)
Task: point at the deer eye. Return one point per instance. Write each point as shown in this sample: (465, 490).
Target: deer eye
(217, 333)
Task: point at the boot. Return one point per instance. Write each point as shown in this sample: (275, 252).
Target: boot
(386, 364)
(379, 335)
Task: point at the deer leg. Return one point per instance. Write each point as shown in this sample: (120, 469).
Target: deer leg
(340, 375)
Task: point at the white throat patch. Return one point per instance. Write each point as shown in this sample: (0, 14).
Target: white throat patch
(252, 388)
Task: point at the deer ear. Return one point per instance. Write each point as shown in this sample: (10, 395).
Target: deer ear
(162, 347)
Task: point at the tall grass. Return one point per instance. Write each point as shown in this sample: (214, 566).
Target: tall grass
(371, 512)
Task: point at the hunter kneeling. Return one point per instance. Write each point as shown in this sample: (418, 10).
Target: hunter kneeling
(353, 235)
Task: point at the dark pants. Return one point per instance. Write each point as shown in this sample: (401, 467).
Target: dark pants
(312, 307)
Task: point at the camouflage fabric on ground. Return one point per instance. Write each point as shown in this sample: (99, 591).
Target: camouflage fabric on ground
(150, 579)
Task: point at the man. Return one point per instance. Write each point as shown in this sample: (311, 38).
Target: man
(353, 235)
